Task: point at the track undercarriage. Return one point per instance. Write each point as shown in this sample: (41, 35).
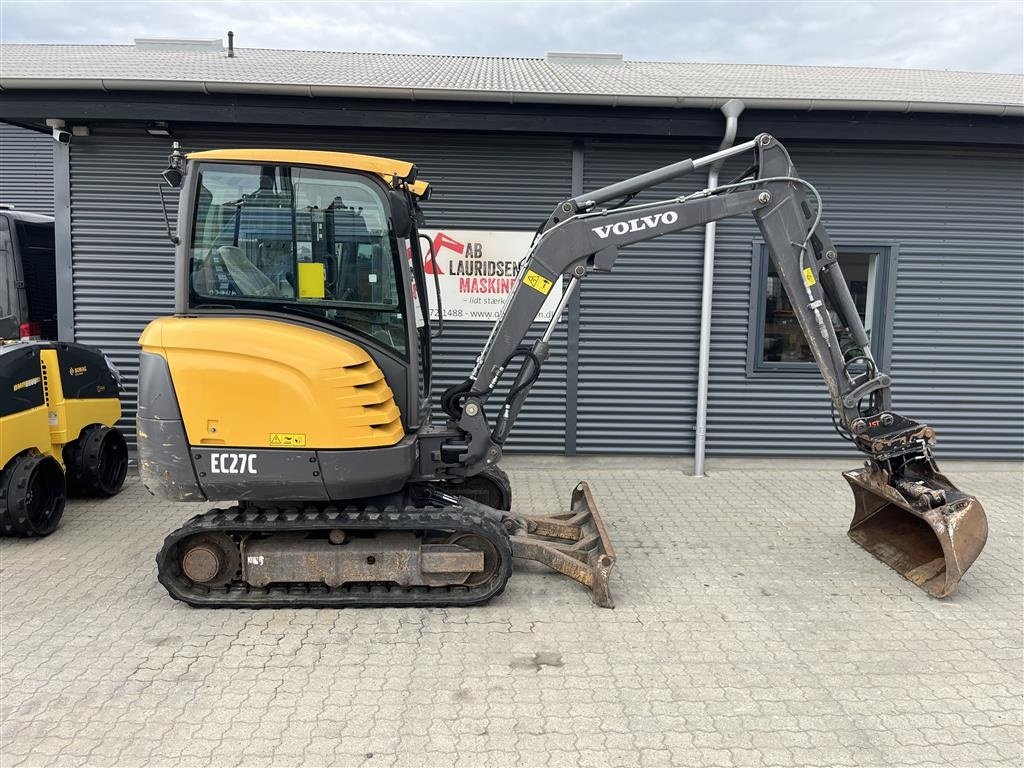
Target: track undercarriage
(420, 548)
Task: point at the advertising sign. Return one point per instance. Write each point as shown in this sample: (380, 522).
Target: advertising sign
(477, 270)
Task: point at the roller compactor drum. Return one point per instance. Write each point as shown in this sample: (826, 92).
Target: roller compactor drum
(294, 382)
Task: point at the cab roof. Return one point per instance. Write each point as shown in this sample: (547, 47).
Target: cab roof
(384, 167)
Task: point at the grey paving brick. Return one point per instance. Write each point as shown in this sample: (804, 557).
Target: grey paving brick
(748, 632)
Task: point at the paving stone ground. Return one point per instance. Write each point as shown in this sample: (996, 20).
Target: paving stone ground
(748, 631)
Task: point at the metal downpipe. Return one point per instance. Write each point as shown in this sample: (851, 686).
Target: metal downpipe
(732, 110)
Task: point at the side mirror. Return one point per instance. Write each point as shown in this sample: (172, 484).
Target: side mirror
(175, 167)
(173, 177)
(401, 215)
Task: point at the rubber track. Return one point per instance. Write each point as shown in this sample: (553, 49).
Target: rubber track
(469, 517)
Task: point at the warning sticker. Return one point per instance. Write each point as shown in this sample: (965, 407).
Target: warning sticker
(287, 438)
(537, 282)
(809, 277)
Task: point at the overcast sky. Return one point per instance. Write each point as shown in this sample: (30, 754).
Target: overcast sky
(963, 34)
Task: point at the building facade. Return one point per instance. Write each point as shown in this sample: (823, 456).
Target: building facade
(926, 208)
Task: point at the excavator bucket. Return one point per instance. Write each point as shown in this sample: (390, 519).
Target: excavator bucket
(920, 525)
(574, 543)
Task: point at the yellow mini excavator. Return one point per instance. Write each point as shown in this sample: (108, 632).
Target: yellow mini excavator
(294, 380)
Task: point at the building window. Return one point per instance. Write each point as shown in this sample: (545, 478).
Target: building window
(776, 342)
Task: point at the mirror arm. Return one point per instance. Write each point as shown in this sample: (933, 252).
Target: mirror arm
(167, 221)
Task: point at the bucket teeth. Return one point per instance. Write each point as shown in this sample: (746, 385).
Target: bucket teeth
(574, 543)
(922, 527)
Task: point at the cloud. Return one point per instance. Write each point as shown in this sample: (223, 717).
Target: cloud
(977, 36)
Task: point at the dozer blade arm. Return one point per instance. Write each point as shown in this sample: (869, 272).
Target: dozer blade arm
(574, 543)
(579, 238)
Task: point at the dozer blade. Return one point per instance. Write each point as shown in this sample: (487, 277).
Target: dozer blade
(574, 543)
(920, 525)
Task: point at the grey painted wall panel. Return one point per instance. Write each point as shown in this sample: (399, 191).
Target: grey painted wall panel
(122, 262)
(639, 325)
(26, 169)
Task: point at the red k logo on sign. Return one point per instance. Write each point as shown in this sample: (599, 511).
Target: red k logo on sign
(441, 240)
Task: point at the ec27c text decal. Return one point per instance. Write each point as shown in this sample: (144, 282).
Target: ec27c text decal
(233, 463)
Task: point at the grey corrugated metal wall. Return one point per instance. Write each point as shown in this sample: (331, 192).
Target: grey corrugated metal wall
(639, 325)
(26, 169)
(123, 261)
(954, 214)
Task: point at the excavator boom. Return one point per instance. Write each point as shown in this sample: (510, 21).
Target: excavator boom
(907, 514)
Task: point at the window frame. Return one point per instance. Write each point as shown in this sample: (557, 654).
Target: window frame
(187, 294)
(424, 341)
(881, 343)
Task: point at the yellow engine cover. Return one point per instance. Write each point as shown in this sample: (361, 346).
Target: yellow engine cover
(253, 383)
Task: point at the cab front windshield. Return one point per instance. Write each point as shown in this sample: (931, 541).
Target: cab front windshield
(303, 241)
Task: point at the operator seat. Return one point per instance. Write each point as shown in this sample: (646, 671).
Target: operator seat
(248, 277)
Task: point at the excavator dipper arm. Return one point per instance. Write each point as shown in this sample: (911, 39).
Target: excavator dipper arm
(945, 529)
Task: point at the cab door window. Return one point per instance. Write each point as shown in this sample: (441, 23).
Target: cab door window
(307, 241)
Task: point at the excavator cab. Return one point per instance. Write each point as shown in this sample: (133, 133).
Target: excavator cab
(286, 235)
(301, 297)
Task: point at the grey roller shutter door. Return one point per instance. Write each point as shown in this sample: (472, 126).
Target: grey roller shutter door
(123, 261)
(957, 359)
(26, 169)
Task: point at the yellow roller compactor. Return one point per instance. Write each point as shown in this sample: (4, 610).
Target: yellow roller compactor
(58, 406)
(294, 380)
